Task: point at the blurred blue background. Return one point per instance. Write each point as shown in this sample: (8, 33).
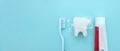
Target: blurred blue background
(32, 25)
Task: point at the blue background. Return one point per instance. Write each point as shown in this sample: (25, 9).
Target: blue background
(32, 25)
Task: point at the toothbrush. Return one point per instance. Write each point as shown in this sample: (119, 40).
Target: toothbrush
(100, 35)
(61, 27)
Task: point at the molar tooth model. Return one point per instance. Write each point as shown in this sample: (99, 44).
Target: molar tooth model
(80, 25)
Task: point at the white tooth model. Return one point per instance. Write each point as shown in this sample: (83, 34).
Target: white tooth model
(80, 25)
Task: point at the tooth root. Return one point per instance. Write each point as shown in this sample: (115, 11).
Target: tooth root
(85, 33)
(76, 33)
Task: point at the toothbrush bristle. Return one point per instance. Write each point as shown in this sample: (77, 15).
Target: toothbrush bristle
(62, 22)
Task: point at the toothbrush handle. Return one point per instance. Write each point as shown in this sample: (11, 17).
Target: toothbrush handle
(96, 42)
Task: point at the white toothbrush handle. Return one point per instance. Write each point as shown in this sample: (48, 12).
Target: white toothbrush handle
(62, 38)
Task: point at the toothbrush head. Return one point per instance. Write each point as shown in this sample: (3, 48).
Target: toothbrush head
(62, 23)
